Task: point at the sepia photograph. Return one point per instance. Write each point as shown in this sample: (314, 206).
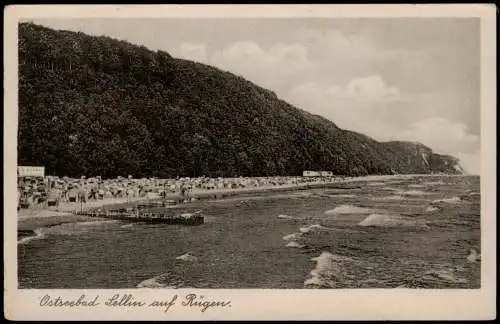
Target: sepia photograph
(283, 153)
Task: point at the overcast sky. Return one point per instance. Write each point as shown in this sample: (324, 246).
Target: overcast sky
(413, 79)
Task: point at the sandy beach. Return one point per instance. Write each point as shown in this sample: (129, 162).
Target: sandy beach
(32, 218)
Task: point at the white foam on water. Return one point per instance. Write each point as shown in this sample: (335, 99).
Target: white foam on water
(127, 225)
(343, 196)
(389, 189)
(311, 228)
(286, 217)
(316, 281)
(327, 272)
(474, 256)
(388, 220)
(165, 280)
(378, 220)
(340, 196)
(416, 186)
(388, 198)
(302, 194)
(373, 184)
(187, 257)
(152, 283)
(453, 200)
(38, 236)
(444, 274)
(348, 209)
(292, 236)
(435, 183)
(156, 282)
(337, 195)
(431, 209)
(295, 244)
(371, 281)
(414, 193)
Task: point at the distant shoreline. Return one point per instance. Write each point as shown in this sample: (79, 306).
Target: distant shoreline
(31, 219)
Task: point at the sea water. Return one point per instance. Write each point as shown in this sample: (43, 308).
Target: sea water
(359, 239)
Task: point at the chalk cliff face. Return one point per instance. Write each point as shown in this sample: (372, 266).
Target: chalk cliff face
(99, 106)
(418, 158)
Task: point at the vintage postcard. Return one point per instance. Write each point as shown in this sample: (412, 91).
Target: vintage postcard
(213, 162)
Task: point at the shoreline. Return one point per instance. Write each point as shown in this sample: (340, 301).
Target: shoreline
(32, 219)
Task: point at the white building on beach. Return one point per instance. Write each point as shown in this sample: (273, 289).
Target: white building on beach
(317, 174)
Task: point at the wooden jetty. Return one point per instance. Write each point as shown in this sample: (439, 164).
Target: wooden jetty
(151, 204)
(129, 215)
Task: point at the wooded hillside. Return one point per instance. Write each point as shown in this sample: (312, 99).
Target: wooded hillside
(99, 106)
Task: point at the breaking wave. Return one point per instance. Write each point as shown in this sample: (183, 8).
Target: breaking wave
(388, 198)
(413, 193)
(389, 189)
(187, 257)
(474, 256)
(292, 236)
(453, 200)
(328, 271)
(286, 217)
(342, 196)
(388, 220)
(373, 184)
(435, 183)
(348, 209)
(295, 244)
(165, 280)
(443, 275)
(152, 283)
(311, 228)
(38, 235)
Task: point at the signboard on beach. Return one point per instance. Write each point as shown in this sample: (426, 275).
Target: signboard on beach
(311, 174)
(318, 174)
(30, 171)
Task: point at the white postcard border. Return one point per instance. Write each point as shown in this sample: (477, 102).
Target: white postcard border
(260, 304)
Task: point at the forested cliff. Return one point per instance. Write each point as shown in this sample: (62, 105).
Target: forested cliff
(98, 106)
